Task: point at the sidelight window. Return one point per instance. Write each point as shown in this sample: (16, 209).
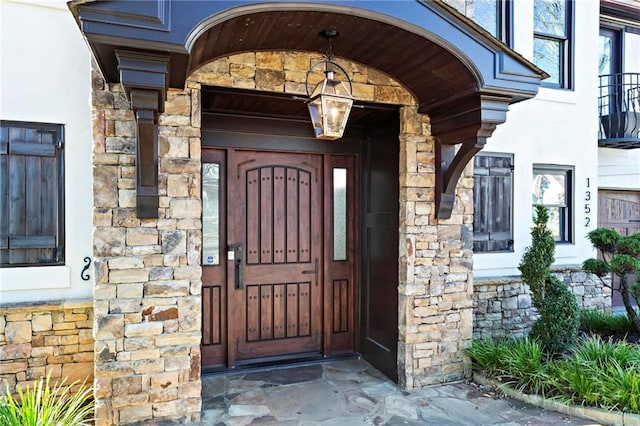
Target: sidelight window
(210, 214)
(339, 214)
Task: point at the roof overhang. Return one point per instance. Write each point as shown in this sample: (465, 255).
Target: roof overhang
(459, 74)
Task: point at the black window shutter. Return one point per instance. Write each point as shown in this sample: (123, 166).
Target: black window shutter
(30, 193)
(493, 203)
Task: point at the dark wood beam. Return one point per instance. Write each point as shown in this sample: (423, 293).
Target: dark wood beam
(461, 130)
(144, 78)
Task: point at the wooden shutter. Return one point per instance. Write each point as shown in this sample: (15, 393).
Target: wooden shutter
(493, 203)
(31, 201)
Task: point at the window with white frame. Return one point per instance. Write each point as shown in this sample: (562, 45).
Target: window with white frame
(493, 203)
(552, 40)
(31, 194)
(552, 188)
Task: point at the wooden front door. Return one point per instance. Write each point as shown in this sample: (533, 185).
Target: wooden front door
(273, 288)
(277, 297)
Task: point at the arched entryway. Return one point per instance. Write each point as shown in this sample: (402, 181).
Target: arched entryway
(453, 85)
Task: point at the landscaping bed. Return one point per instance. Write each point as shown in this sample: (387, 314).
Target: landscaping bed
(596, 371)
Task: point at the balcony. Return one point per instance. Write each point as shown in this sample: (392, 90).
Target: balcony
(619, 110)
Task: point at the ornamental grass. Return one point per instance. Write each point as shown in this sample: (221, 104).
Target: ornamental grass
(43, 405)
(596, 372)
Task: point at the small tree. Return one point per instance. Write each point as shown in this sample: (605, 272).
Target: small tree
(557, 327)
(619, 258)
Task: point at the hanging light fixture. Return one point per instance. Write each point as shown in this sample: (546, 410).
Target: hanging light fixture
(330, 101)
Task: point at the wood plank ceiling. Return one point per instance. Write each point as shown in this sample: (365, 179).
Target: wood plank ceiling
(426, 69)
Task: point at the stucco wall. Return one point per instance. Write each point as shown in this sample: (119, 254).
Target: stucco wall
(556, 127)
(45, 70)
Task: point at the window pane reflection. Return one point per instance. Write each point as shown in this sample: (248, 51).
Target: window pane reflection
(548, 56)
(549, 17)
(210, 214)
(485, 13)
(339, 214)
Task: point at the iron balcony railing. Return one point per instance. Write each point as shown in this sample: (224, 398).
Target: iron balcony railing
(619, 110)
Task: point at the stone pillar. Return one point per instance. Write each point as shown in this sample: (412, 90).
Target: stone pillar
(436, 284)
(148, 275)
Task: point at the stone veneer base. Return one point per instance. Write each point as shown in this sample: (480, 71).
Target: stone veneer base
(53, 338)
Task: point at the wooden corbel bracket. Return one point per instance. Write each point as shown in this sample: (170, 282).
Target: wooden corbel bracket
(461, 131)
(144, 78)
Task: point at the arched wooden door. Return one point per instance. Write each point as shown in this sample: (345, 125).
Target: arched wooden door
(273, 285)
(277, 293)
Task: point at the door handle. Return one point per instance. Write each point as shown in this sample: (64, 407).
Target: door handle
(314, 271)
(235, 253)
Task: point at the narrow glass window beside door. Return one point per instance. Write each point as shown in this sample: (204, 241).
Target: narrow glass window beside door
(339, 214)
(552, 186)
(552, 40)
(31, 194)
(210, 214)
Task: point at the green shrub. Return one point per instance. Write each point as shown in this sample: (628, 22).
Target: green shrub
(600, 373)
(596, 373)
(557, 327)
(520, 362)
(618, 257)
(598, 322)
(42, 405)
(486, 356)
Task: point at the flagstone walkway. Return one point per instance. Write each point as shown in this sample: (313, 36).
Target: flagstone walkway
(351, 392)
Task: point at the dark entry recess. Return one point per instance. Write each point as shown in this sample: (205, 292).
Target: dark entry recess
(261, 137)
(380, 224)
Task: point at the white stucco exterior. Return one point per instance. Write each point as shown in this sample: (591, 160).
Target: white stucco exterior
(44, 75)
(557, 127)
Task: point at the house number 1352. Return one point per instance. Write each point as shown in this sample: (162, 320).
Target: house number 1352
(587, 205)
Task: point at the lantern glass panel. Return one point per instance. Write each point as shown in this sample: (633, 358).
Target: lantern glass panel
(329, 108)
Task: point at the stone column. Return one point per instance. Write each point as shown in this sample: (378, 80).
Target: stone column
(436, 285)
(148, 275)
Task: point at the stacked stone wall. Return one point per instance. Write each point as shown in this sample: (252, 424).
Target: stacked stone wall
(37, 340)
(147, 271)
(435, 265)
(502, 306)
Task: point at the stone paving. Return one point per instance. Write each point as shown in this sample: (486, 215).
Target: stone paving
(351, 392)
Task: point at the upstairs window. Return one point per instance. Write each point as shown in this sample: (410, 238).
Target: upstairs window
(31, 194)
(552, 188)
(552, 40)
(493, 203)
(496, 17)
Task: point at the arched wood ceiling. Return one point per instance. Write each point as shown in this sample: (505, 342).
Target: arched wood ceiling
(429, 71)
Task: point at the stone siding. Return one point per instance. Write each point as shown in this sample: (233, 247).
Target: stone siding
(41, 339)
(502, 306)
(435, 265)
(147, 271)
(148, 274)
